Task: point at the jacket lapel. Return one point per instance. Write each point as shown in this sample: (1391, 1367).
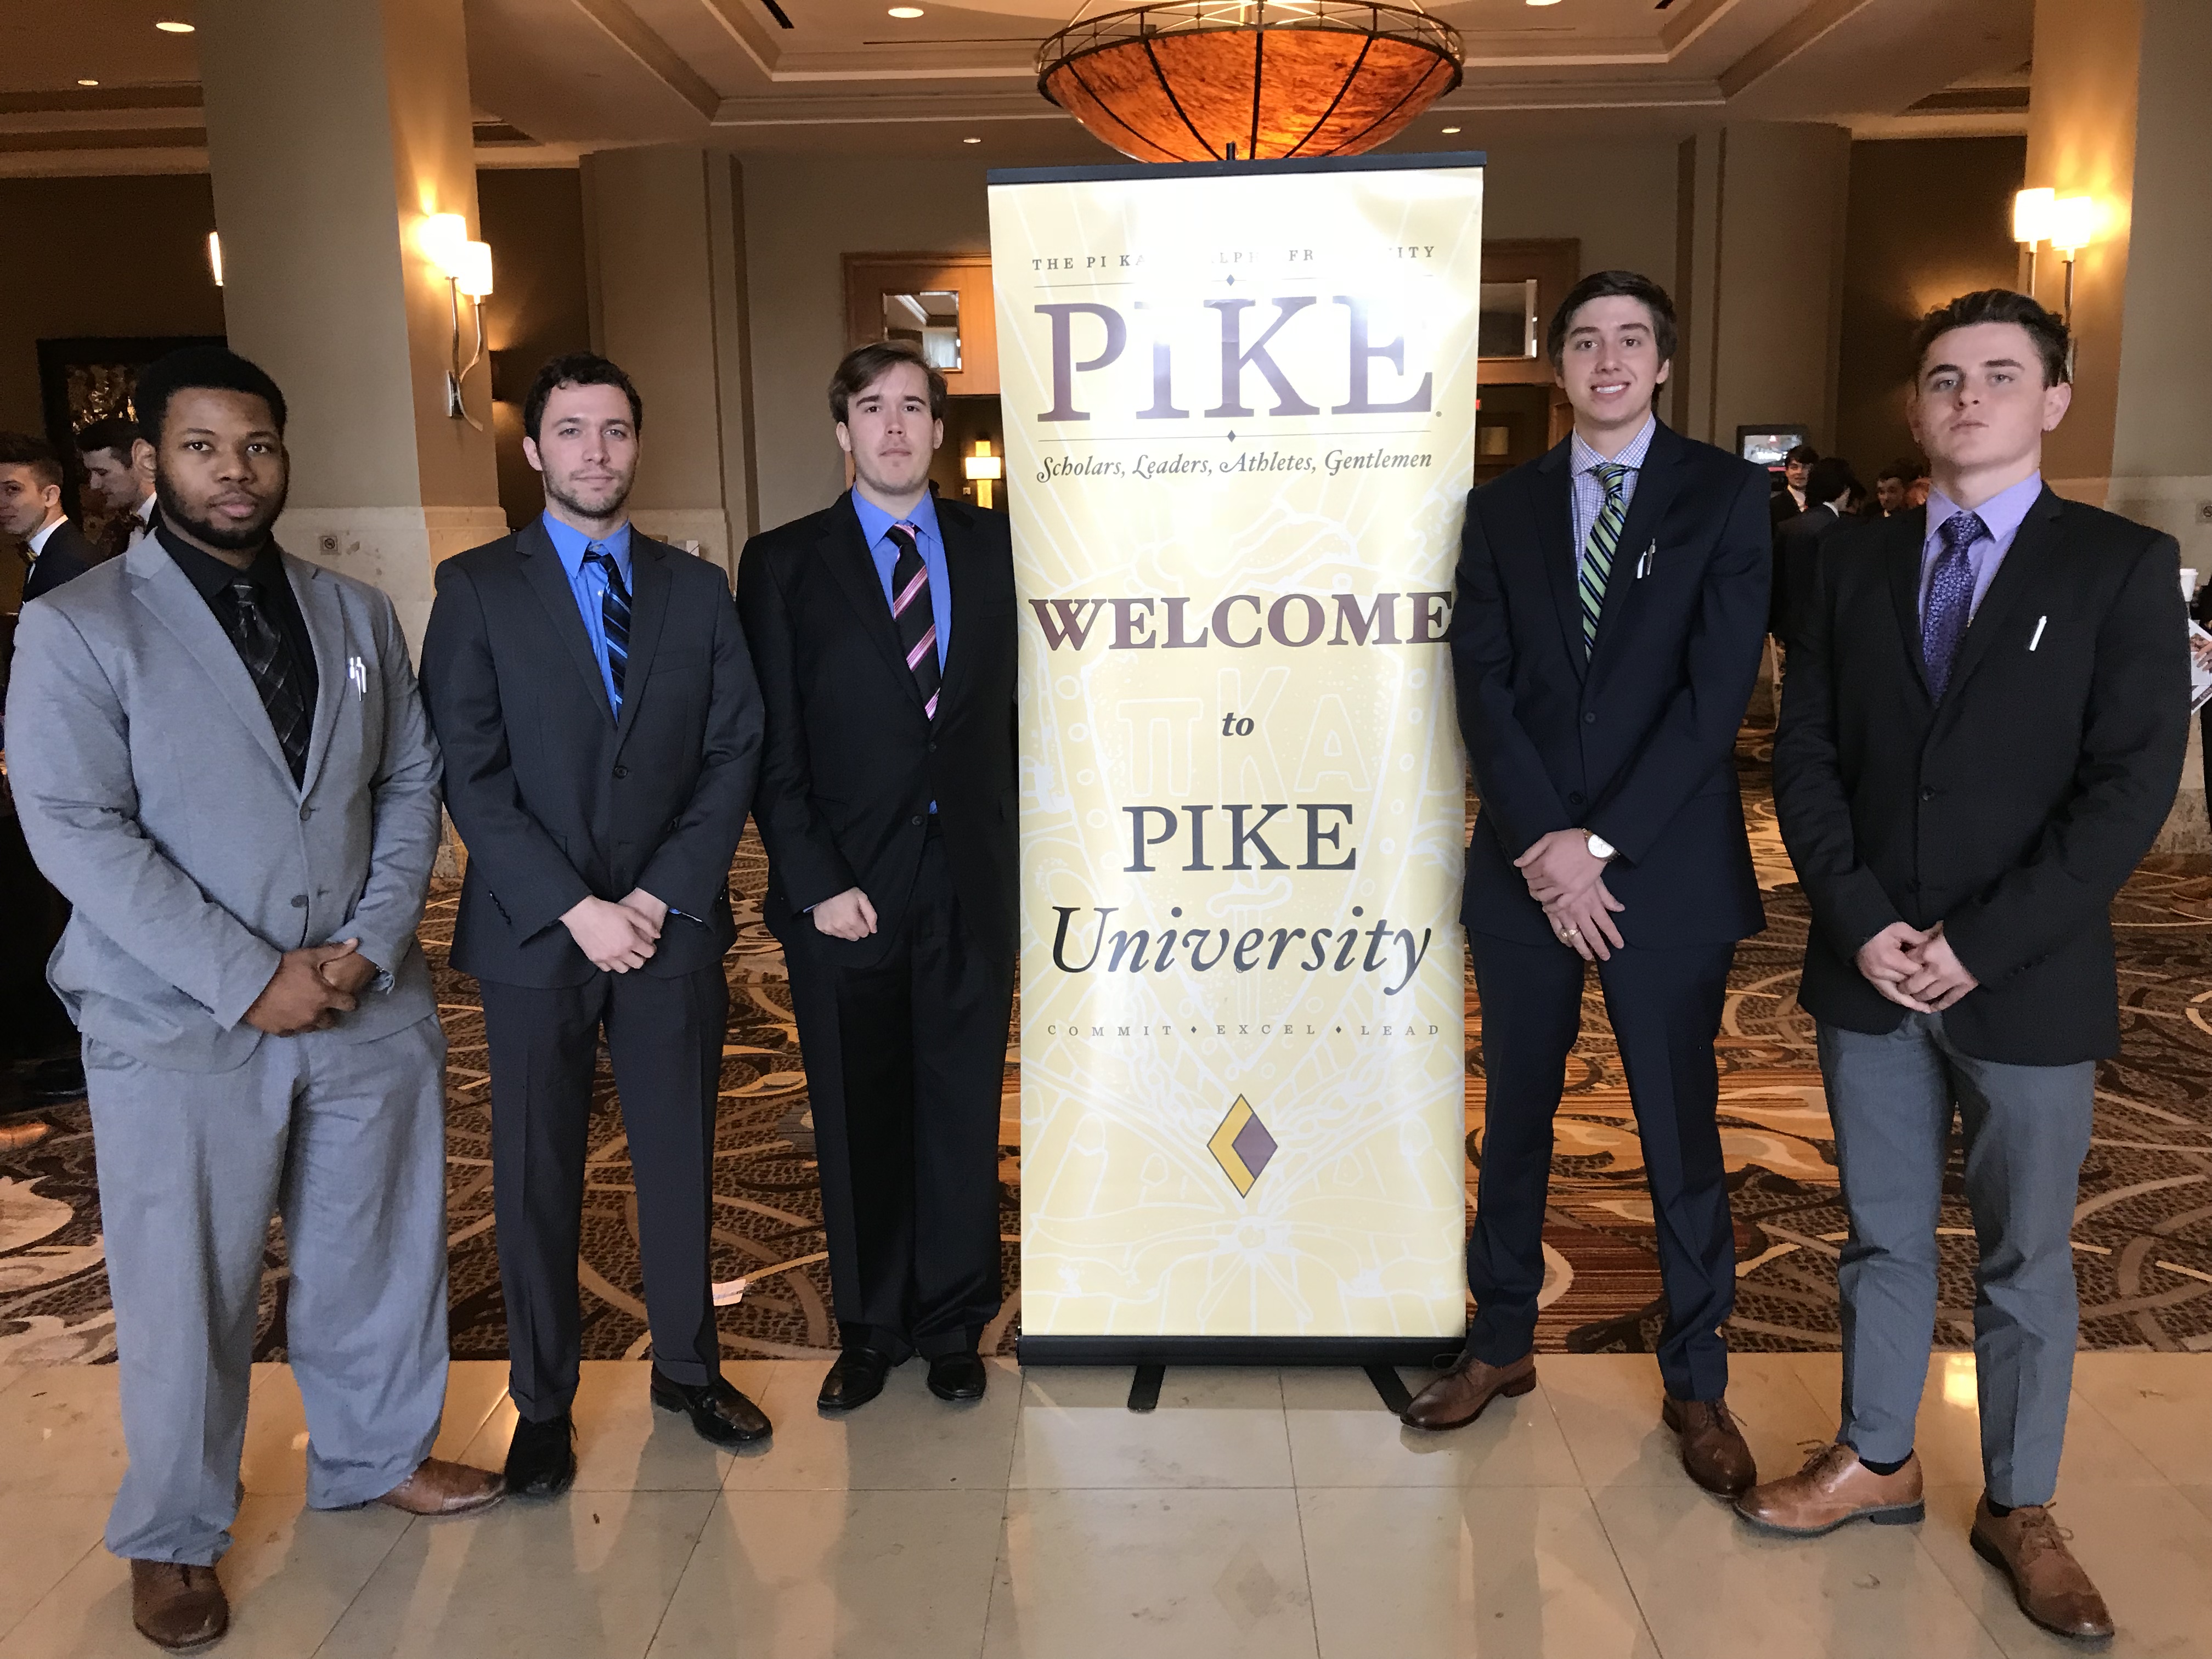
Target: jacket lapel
(955, 530)
(649, 582)
(2031, 546)
(1656, 481)
(845, 550)
(167, 592)
(1900, 554)
(326, 634)
(1554, 492)
(541, 570)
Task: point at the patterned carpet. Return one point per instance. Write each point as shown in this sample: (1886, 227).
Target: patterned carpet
(2143, 1242)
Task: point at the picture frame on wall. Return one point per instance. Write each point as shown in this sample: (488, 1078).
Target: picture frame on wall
(1766, 445)
(87, 378)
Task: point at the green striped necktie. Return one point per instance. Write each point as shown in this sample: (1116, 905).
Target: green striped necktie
(1597, 552)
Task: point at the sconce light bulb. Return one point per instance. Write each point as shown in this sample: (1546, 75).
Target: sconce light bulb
(441, 237)
(473, 274)
(2030, 215)
(2074, 224)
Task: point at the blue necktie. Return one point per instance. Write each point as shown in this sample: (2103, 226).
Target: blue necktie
(614, 616)
(1950, 599)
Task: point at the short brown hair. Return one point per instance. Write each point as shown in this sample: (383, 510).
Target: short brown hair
(1998, 305)
(861, 369)
(1609, 284)
(111, 435)
(35, 454)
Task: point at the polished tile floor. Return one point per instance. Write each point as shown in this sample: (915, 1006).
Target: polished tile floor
(1254, 1512)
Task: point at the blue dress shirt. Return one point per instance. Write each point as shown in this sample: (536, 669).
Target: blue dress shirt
(876, 525)
(588, 583)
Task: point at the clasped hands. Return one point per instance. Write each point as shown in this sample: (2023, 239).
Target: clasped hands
(1915, 968)
(617, 935)
(311, 987)
(1568, 880)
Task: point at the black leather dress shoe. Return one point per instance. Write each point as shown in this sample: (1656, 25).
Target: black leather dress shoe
(717, 1410)
(541, 1459)
(854, 1380)
(957, 1376)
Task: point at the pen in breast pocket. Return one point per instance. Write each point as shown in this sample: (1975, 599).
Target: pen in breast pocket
(1649, 563)
(2041, 623)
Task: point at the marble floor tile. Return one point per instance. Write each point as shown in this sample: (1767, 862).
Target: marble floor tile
(61, 1433)
(2161, 1402)
(290, 1573)
(1710, 1587)
(1220, 1427)
(46, 1537)
(906, 1439)
(1947, 1436)
(2149, 1550)
(623, 1442)
(1177, 1574)
(275, 1456)
(838, 1574)
(583, 1576)
(1343, 1434)
(1608, 1406)
(1496, 1573)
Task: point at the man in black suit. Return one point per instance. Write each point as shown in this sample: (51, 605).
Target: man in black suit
(1790, 495)
(884, 627)
(1829, 485)
(1984, 730)
(1611, 611)
(30, 510)
(593, 693)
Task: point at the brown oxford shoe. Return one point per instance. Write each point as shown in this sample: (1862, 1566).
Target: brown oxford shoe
(1457, 1398)
(438, 1487)
(2047, 1582)
(178, 1606)
(1833, 1488)
(1713, 1450)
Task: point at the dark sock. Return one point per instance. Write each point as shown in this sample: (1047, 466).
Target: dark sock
(1999, 1510)
(1869, 1465)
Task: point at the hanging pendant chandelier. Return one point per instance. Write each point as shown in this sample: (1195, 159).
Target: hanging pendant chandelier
(1236, 80)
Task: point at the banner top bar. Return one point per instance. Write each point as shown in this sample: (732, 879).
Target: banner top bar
(1439, 160)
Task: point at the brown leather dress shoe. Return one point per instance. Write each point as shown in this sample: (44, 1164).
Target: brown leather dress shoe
(438, 1487)
(1713, 1451)
(178, 1606)
(2047, 1582)
(1457, 1398)
(1833, 1488)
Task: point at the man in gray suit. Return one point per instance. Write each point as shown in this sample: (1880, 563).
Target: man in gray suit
(220, 758)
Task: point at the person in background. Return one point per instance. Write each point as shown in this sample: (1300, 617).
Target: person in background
(1830, 486)
(1789, 498)
(31, 511)
(118, 464)
(1962, 798)
(1889, 489)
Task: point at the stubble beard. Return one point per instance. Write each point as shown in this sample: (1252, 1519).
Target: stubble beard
(241, 538)
(566, 497)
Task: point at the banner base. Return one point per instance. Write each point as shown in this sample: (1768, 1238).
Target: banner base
(1234, 1350)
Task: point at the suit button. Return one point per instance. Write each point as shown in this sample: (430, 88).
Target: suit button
(1928, 794)
(915, 819)
(1574, 797)
(622, 771)
(1589, 719)
(298, 901)
(933, 745)
(307, 812)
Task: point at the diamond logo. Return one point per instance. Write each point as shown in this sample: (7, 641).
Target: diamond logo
(1241, 1147)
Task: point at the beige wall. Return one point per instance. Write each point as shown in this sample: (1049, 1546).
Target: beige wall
(1930, 219)
(533, 218)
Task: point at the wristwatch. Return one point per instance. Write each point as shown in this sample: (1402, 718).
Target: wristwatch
(1599, 847)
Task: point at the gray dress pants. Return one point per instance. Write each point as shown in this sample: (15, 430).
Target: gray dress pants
(2027, 1130)
(346, 1140)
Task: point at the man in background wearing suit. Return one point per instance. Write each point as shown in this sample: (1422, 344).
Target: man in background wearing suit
(118, 464)
(601, 726)
(1984, 730)
(30, 510)
(1611, 607)
(884, 627)
(1830, 486)
(221, 760)
(1789, 497)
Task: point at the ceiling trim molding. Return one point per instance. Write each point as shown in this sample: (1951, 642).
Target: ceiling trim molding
(654, 55)
(752, 39)
(1793, 39)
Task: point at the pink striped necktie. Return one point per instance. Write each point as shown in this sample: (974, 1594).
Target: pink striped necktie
(913, 615)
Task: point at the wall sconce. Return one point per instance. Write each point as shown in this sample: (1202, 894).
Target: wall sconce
(215, 255)
(2031, 224)
(983, 469)
(467, 267)
(2073, 228)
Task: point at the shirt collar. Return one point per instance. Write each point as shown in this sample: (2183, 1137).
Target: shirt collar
(2002, 514)
(145, 512)
(38, 539)
(875, 523)
(1631, 458)
(211, 575)
(571, 543)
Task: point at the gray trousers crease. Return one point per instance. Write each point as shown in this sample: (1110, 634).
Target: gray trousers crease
(2027, 1130)
(346, 1141)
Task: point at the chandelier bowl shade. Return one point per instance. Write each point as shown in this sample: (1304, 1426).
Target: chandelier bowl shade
(1216, 79)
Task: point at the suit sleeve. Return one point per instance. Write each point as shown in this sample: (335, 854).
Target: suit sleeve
(404, 818)
(801, 850)
(2135, 731)
(69, 763)
(1695, 734)
(536, 883)
(691, 866)
(1850, 905)
(1510, 776)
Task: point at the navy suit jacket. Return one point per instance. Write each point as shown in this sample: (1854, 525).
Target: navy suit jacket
(1636, 740)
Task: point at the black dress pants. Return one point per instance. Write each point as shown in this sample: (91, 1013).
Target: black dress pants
(665, 1037)
(905, 1064)
(1665, 1006)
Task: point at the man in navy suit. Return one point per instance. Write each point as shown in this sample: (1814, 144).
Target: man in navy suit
(1611, 607)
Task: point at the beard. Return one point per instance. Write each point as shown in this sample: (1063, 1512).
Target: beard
(605, 509)
(231, 539)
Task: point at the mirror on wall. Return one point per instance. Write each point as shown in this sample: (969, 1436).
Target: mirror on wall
(930, 320)
(1509, 325)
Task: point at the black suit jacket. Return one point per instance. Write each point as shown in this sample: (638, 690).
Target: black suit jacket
(2011, 812)
(1796, 552)
(1637, 741)
(852, 763)
(557, 800)
(70, 553)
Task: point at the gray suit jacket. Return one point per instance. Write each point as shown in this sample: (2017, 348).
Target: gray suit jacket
(154, 795)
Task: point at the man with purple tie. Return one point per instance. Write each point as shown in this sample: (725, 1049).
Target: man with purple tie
(1981, 734)
(884, 630)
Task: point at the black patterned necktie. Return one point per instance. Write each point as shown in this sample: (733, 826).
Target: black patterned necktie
(274, 678)
(914, 615)
(614, 617)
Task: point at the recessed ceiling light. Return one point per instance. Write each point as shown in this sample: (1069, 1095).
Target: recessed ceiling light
(1451, 129)
(174, 28)
(971, 140)
(1543, 2)
(83, 82)
(905, 11)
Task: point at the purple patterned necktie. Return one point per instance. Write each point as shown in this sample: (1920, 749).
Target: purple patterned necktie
(1950, 599)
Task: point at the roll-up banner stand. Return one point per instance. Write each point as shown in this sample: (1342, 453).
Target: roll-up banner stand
(1240, 404)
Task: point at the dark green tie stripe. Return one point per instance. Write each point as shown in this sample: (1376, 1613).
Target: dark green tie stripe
(1597, 555)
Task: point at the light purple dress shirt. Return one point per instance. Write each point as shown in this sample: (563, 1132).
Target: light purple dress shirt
(2001, 515)
(1589, 489)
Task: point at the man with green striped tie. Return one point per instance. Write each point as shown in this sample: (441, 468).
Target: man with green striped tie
(1611, 609)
